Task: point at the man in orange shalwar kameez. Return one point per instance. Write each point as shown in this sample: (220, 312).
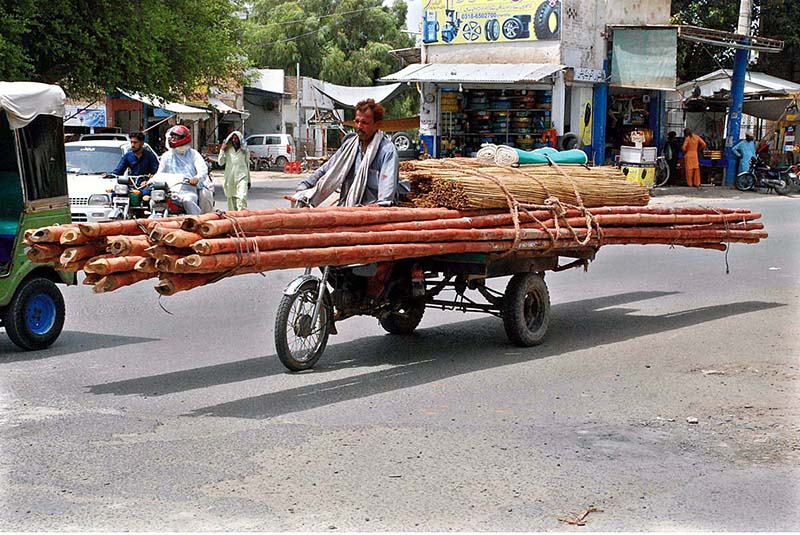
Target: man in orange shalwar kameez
(692, 144)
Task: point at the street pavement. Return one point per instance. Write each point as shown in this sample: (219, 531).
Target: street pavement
(175, 414)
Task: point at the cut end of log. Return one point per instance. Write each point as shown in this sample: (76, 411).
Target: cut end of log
(146, 265)
(71, 235)
(157, 234)
(165, 287)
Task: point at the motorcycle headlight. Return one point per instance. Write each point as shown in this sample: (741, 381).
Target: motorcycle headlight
(158, 195)
(121, 189)
(99, 199)
(793, 176)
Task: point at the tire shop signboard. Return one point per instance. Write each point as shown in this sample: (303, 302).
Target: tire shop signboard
(490, 21)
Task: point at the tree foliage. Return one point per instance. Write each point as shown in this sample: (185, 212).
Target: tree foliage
(344, 42)
(95, 46)
(777, 19)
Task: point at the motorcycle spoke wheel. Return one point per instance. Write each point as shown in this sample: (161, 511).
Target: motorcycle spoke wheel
(298, 343)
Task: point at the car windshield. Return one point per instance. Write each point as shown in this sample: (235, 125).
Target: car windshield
(92, 160)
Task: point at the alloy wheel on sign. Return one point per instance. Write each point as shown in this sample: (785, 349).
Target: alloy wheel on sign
(511, 28)
(472, 31)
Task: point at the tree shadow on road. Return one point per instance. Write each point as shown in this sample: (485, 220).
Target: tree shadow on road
(70, 342)
(429, 355)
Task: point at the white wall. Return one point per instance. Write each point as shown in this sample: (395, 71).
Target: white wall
(637, 11)
(582, 26)
(522, 52)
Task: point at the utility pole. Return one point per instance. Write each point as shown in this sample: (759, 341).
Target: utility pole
(737, 90)
(297, 134)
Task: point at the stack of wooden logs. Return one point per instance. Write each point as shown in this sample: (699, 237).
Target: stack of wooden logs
(468, 183)
(192, 251)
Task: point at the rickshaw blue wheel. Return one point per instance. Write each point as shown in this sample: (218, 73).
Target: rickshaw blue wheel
(40, 314)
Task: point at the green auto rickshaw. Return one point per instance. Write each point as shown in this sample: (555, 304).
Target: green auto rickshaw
(33, 194)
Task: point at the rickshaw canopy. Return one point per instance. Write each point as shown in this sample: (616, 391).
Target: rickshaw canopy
(22, 102)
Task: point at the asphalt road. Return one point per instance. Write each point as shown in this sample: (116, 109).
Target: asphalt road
(176, 414)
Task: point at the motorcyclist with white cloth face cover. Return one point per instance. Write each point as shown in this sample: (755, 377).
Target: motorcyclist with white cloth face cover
(182, 159)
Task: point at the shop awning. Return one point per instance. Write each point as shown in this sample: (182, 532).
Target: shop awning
(350, 96)
(183, 111)
(223, 108)
(488, 73)
(771, 109)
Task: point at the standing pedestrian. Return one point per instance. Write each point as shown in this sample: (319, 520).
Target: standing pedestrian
(745, 151)
(672, 149)
(234, 156)
(692, 144)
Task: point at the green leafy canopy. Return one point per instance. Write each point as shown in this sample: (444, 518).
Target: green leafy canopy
(777, 19)
(92, 47)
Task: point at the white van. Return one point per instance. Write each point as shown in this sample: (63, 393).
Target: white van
(279, 146)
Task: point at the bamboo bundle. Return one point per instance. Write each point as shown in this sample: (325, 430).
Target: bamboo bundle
(463, 183)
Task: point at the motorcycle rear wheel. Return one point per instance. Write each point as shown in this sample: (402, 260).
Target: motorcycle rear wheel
(404, 321)
(786, 189)
(299, 344)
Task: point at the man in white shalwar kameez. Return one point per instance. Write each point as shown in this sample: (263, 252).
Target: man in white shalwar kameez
(234, 156)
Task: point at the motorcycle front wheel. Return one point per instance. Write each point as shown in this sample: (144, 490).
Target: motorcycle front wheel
(744, 182)
(298, 343)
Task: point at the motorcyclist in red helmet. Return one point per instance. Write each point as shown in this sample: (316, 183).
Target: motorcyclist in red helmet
(182, 159)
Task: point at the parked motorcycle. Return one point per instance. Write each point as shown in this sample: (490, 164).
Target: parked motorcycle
(762, 176)
(128, 200)
(793, 176)
(263, 163)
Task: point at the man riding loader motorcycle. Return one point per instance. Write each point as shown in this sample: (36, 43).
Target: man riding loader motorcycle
(364, 171)
(33, 194)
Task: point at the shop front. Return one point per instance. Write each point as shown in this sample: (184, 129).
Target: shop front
(466, 105)
(643, 69)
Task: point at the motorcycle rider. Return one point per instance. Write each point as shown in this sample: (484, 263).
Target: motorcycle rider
(365, 168)
(139, 160)
(182, 159)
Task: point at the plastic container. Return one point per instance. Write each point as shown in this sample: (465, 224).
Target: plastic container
(644, 155)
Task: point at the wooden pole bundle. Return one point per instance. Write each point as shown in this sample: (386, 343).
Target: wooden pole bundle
(188, 252)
